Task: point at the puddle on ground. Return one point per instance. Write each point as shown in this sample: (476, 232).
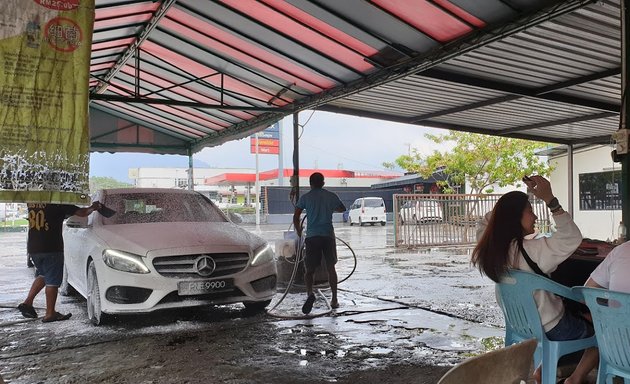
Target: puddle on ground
(381, 351)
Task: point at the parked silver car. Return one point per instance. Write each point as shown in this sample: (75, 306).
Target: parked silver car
(421, 211)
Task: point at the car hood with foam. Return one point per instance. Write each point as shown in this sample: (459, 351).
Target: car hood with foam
(161, 239)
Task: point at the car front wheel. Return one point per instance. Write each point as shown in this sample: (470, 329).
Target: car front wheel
(94, 298)
(256, 306)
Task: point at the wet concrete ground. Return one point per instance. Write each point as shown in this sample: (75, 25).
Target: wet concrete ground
(405, 316)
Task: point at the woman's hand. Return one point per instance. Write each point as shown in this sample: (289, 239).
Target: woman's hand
(540, 187)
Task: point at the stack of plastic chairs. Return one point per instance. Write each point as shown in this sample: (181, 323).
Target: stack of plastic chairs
(510, 365)
(611, 319)
(522, 320)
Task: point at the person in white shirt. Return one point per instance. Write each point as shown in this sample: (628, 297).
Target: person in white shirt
(505, 242)
(612, 273)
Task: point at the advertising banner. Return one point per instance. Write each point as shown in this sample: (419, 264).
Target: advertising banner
(268, 141)
(262, 150)
(44, 69)
(265, 142)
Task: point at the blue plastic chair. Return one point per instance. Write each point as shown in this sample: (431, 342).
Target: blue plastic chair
(611, 319)
(522, 320)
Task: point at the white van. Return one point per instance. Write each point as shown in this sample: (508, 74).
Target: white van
(367, 210)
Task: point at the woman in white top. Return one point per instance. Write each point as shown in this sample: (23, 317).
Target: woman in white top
(505, 242)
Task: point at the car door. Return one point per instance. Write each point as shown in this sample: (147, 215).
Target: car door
(355, 211)
(78, 241)
(72, 234)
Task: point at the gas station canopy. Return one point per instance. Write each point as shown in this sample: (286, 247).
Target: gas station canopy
(176, 76)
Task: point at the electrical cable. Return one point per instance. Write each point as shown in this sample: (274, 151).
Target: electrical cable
(307, 120)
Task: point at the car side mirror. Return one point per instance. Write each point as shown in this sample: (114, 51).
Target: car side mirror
(77, 222)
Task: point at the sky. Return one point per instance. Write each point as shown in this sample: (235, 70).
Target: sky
(327, 141)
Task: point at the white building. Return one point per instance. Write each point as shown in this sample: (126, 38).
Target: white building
(596, 189)
(233, 182)
(175, 177)
(12, 211)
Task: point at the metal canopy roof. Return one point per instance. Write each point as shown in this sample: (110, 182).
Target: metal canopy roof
(177, 76)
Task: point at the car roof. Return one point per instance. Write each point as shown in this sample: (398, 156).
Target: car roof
(115, 191)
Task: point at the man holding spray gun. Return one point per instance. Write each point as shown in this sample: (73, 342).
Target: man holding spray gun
(319, 204)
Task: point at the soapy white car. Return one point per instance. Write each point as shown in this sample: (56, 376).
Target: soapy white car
(164, 248)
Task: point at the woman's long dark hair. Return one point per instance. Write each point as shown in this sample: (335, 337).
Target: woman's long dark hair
(504, 226)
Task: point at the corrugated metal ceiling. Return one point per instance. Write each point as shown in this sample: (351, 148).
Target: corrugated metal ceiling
(558, 81)
(176, 76)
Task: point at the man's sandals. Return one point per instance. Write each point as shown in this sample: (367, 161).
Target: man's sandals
(308, 305)
(27, 311)
(56, 317)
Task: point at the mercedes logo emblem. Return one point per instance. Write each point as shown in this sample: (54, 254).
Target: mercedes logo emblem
(205, 265)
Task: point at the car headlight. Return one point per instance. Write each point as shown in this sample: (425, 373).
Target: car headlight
(262, 255)
(123, 261)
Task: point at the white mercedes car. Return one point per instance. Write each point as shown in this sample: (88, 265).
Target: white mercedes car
(164, 248)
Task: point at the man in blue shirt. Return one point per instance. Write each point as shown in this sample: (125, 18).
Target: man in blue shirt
(319, 204)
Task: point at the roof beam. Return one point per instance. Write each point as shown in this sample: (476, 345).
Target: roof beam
(240, 130)
(423, 62)
(133, 48)
(593, 140)
(517, 92)
(140, 122)
(568, 120)
(401, 50)
(435, 124)
(179, 148)
(293, 39)
(191, 104)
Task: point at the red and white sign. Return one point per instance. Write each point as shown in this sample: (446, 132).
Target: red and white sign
(266, 150)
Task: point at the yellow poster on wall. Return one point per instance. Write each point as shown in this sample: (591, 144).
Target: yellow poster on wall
(45, 50)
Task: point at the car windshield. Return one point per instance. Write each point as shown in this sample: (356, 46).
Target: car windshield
(160, 207)
(373, 203)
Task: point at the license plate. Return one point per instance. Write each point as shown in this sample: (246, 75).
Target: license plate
(199, 287)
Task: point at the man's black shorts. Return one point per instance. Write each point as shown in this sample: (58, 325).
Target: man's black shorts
(318, 247)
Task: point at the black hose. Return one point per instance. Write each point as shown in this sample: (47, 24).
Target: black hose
(298, 258)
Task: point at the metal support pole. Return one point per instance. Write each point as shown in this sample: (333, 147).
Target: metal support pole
(625, 161)
(191, 179)
(280, 155)
(137, 82)
(295, 179)
(257, 187)
(570, 178)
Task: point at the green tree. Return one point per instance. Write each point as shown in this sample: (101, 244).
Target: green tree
(100, 182)
(480, 160)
